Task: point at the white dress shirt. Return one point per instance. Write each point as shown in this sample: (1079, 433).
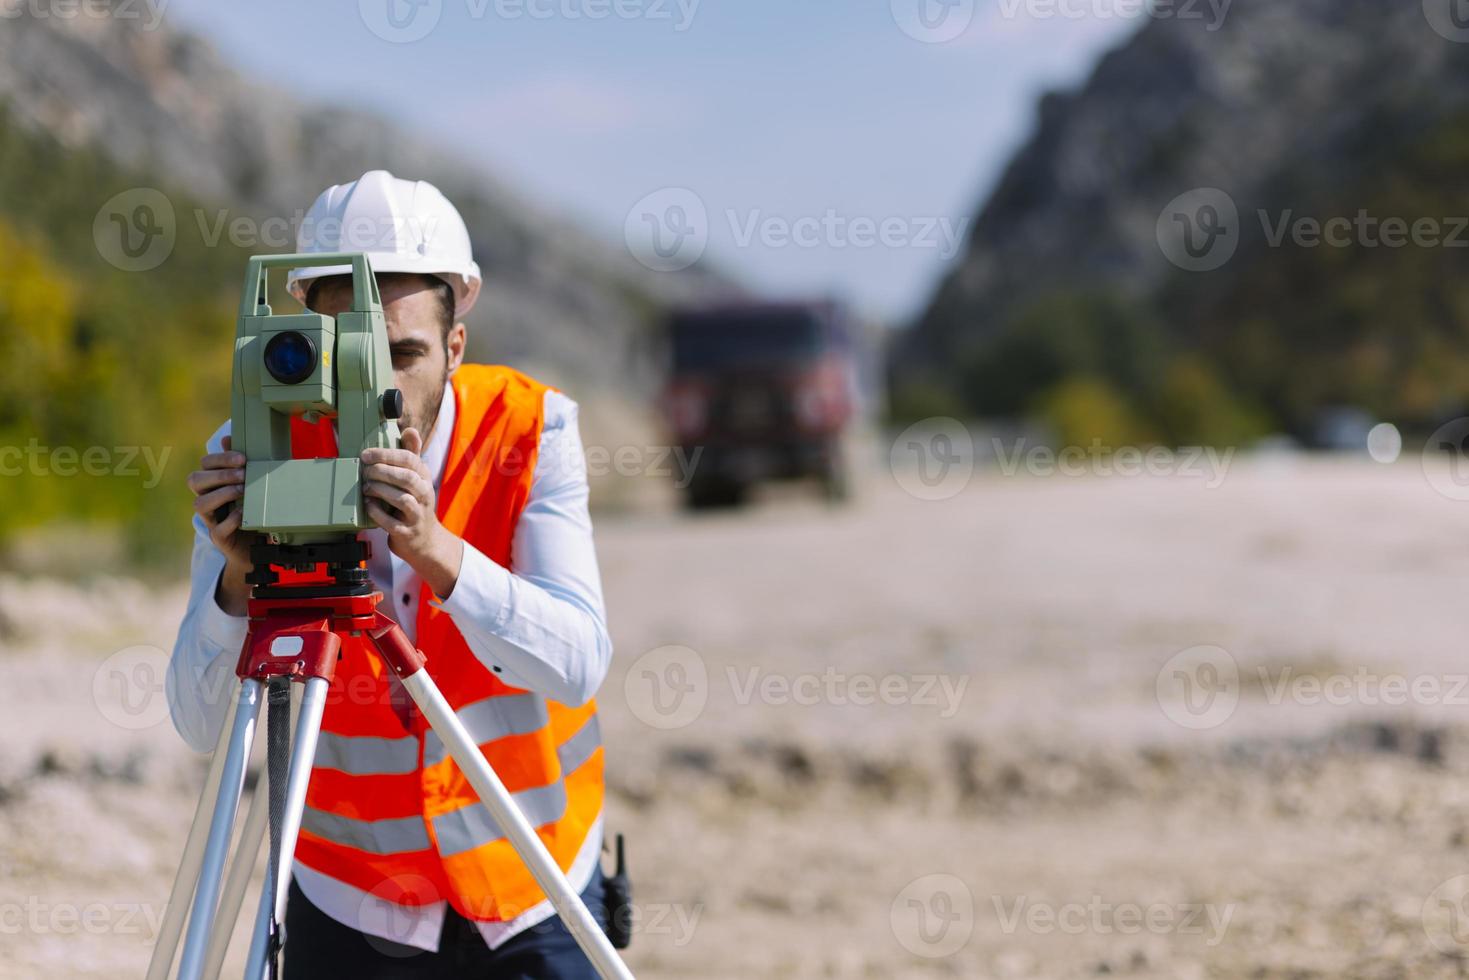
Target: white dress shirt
(542, 628)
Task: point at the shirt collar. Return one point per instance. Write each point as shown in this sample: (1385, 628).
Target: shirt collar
(436, 453)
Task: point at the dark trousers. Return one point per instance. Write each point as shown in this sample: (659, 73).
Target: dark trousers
(319, 946)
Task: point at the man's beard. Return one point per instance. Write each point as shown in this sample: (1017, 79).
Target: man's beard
(424, 422)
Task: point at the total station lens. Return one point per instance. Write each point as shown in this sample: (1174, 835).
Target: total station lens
(290, 357)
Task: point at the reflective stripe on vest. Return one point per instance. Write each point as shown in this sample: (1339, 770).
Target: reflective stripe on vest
(367, 755)
(460, 830)
(490, 720)
(375, 836)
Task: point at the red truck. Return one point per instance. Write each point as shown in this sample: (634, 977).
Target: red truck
(760, 391)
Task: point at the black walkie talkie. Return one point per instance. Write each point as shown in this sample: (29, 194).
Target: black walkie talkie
(617, 899)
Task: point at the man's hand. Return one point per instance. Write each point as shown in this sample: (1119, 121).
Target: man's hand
(400, 499)
(220, 481)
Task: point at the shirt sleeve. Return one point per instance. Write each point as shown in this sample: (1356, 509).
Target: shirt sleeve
(201, 672)
(543, 627)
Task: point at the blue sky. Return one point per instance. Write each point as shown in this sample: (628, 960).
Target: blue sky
(799, 125)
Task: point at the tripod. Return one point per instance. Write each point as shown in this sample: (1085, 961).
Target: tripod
(297, 630)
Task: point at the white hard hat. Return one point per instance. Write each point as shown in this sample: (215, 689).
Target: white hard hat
(402, 225)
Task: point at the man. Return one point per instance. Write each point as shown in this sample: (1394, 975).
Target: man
(483, 548)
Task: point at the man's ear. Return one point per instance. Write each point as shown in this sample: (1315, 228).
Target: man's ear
(454, 344)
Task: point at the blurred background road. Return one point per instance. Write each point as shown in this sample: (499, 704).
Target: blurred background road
(1027, 442)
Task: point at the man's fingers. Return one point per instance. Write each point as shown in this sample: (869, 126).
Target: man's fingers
(227, 442)
(224, 460)
(394, 457)
(385, 492)
(225, 528)
(207, 503)
(397, 476)
(383, 473)
(201, 481)
(412, 441)
(403, 501)
(382, 518)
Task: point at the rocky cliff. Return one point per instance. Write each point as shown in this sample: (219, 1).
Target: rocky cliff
(1290, 107)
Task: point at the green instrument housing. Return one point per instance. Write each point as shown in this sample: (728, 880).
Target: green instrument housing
(350, 378)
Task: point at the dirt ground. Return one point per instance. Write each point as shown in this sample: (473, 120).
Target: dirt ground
(1044, 727)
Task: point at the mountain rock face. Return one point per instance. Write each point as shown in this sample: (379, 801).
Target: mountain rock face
(1280, 104)
(163, 102)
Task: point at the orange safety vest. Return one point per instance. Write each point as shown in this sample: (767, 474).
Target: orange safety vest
(387, 810)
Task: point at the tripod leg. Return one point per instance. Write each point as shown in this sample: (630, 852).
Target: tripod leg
(303, 755)
(246, 852)
(167, 944)
(216, 849)
(461, 745)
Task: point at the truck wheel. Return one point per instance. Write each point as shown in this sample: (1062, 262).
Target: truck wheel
(836, 481)
(710, 493)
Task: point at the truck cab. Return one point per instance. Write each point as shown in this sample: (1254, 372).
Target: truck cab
(760, 391)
